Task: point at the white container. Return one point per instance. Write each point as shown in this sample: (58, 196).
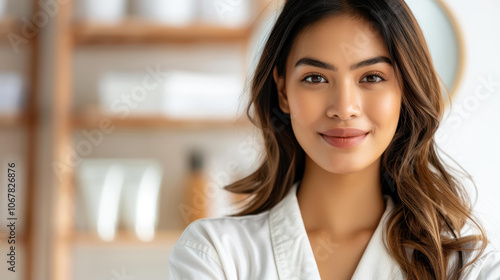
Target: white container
(192, 95)
(139, 208)
(12, 93)
(172, 12)
(106, 11)
(3, 8)
(131, 93)
(100, 183)
(231, 13)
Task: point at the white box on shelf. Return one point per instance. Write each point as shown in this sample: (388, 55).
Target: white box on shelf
(233, 13)
(106, 11)
(123, 92)
(189, 95)
(172, 12)
(13, 95)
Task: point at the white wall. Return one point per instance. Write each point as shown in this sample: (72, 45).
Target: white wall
(470, 133)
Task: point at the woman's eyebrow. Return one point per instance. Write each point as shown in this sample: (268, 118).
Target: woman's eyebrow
(364, 63)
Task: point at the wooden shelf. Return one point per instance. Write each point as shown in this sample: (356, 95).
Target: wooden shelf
(96, 121)
(70, 34)
(13, 120)
(126, 238)
(140, 31)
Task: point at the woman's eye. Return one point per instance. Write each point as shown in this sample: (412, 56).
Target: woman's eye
(372, 79)
(314, 79)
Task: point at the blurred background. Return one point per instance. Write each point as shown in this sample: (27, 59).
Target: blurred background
(121, 121)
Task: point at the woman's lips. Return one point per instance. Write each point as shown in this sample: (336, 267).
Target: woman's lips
(344, 142)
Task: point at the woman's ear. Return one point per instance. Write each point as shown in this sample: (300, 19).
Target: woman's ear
(280, 84)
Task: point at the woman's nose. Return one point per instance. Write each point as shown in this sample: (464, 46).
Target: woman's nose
(344, 102)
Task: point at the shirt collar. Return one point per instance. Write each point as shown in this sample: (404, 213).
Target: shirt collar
(295, 258)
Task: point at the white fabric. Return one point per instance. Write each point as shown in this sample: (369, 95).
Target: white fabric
(274, 245)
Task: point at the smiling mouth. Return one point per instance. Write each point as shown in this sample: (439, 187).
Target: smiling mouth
(344, 142)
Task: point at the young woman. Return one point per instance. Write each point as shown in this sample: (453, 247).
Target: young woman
(351, 185)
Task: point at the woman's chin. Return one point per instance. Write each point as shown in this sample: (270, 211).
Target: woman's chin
(345, 169)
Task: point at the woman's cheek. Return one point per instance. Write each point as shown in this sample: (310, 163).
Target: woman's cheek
(303, 106)
(384, 105)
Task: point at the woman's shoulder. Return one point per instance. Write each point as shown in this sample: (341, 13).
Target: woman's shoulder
(207, 230)
(223, 234)
(220, 247)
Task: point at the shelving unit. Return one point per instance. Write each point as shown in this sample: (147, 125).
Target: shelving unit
(28, 121)
(72, 34)
(88, 122)
(162, 237)
(135, 30)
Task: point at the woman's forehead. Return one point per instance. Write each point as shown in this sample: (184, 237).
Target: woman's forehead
(340, 40)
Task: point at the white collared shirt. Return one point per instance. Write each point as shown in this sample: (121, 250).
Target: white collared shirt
(274, 245)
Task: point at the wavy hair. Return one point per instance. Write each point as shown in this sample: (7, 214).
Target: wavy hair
(431, 205)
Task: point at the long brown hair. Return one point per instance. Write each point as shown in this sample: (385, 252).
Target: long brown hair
(431, 205)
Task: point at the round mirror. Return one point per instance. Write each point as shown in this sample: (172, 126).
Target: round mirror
(443, 38)
(438, 24)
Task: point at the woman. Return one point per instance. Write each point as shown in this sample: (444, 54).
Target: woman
(351, 186)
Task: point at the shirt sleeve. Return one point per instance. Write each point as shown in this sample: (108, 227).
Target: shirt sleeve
(191, 257)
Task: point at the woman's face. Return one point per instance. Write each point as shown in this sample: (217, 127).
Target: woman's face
(327, 87)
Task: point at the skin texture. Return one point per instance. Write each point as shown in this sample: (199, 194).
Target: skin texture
(340, 195)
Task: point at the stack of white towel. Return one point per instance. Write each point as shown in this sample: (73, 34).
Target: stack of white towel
(177, 94)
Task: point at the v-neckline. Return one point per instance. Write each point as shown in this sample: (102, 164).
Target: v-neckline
(293, 251)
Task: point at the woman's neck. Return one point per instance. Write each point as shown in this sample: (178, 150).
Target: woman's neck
(340, 204)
